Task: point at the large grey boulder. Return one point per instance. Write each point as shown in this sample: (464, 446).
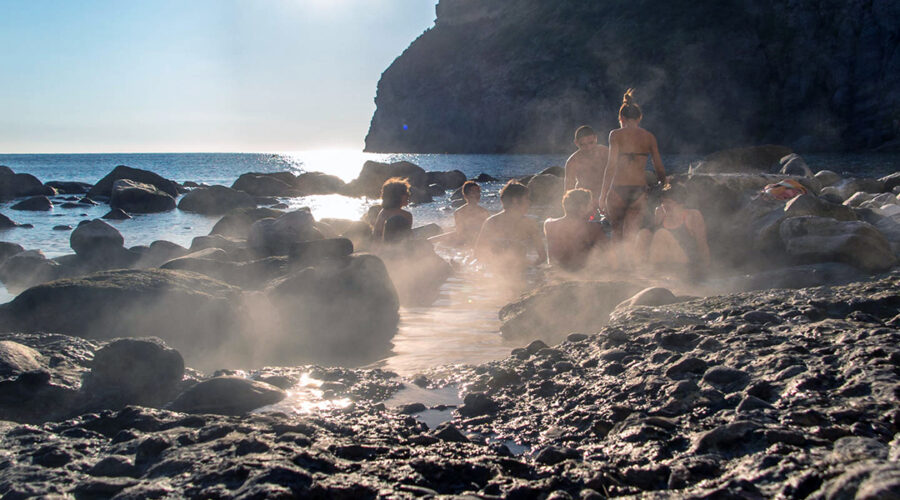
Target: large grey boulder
(8, 249)
(34, 204)
(69, 187)
(135, 371)
(811, 239)
(845, 188)
(546, 190)
(827, 177)
(227, 396)
(28, 268)
(7, 223)
(215, 200)
(269, 237)
(13, 185)
(95, 237)
(763, 219)
(753, 159)
(275, 184)
(237, 222)
(794, 164)
(552, 312)
(138, 197)
(890, 181)
(309, 183)
(373, 175)
(190, 312)
(338, 309)
(451, 179)
(103, 187)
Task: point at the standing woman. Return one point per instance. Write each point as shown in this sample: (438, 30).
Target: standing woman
(624, 192)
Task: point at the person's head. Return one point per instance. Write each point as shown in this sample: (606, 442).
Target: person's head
(577, 202)
(585, 138)
(394, 193)
(396, 229)
(514, 197)
(471, 191)
(673, 195)
(629, 109)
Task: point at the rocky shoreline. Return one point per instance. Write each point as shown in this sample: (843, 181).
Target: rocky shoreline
(780, 393)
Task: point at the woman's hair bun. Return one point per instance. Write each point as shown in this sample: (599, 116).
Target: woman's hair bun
(628, 98)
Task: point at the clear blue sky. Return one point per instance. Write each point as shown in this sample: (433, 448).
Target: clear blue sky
(196, 75)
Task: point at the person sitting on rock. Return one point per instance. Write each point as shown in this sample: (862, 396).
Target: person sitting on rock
(679, 241)
(468, 218)
(587, 166)
(507, 237)
(394, 196)
(571, 238)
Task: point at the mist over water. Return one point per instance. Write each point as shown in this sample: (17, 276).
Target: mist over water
(460, 327)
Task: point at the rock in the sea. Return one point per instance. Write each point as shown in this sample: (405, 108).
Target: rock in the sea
(68, 187)
(8, 249)
(6, 222)
(546, 190)
(554, 311)
(274, 184)
(237, 222)
(342, 307)
(653, 296)
(215, 200)
(818, 239)
(95, 237)
(13, 185)
(451, 179)
(373, 175)
(137, 197)
(227, 396)
(269, 237)
(34, 204)
(309, 183)
(103, 187)
(190, 312)
(135, 371)
(25, 269)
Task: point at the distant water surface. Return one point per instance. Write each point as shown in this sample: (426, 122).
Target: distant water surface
(462, 326)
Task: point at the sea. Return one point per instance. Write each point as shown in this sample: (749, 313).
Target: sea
(460, 327)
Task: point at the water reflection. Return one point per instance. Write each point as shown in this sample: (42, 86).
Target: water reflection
(304, 398)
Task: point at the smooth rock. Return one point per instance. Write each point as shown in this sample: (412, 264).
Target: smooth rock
(104, 187)
(34, 204)
(137, 197)
(135, 371)
(227, 396)
(215, 200)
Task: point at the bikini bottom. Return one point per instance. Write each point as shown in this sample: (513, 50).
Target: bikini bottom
(629, 194)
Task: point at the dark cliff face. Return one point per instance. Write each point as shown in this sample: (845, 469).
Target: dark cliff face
(499, 76)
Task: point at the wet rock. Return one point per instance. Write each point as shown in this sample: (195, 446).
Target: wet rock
(827, 177)
(13, 185)
(551, 455)
(34, 204)
(725, 438)
(654, 296)
(26, 269)
(793, 164)
(215, 200)
(268, 237)
(450, 433)
(227, 396)
(135, 371)
(95, 237)
(477, 403)
(310, 183)
(66, 187)
(259, 184)
(116, 214)
(137, 197)
(16, 359)
(114, 466)
(373, 175)
(817, 239)
(687, 367)
(7, 223)
(546, 190)
(451, 179)
(236, 223)
(104, 187)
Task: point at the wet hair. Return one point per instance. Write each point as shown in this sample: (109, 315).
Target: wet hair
(512, 191)
(397, 228)
(674, 192)
(468, 186)
(392, 192)
(629, 109)
(576, 198)
(584, 131)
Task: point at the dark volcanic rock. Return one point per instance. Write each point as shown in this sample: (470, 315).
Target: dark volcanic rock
(227, 396)
(487, 76)
(135, 371)
(68, 187)
(237, 222)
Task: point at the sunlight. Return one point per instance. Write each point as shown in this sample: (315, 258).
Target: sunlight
(332, 206)
(344, 163)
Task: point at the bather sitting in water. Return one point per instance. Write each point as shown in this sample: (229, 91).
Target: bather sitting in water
(624, 192)
(571, 239)
(507, 237)
(394, 196)
(468, 219)
(679, 240)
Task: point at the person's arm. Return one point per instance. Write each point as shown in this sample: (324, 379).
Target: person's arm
(571, 173)
(482, 241)
(697, 228)
(611, 166)
(537, 238)
(657, 161)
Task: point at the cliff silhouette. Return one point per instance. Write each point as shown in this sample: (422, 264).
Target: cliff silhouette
(504, 76)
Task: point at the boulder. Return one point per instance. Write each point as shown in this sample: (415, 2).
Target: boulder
(159, 252)
(6, 222)
(215, 200)
(137, 197)
(848, 187)
(237, 222)
(16, 359)
(338, 309)
(190, 312)
(743, 160)
(483, 177)
(310, 183)
(793, 164)
(95, 237)
(890, 181)
(858, 199)
(227, 396)
(373, 175)
(103, 187)
(812, 239)
(8, 249)
(555, 170)
(67, 187)
(451, 179)
(314, 251)
(13, 185)
(418, 196)
(34, 204)
(435, 190)
(546, 190)
(135, 371)
(116, 214)
(827, 177)
(551, 312)
(653, 296)
(276, 236)
(230, 245)
(26, 269)
(259, 184)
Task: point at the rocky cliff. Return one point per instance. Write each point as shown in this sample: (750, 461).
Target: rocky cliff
(498, 76)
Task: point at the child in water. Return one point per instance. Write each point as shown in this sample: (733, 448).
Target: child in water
(506, 237)
(571, 238)
(468, 218)
(394, 196)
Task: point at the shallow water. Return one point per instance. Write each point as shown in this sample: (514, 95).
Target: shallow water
(461, 327)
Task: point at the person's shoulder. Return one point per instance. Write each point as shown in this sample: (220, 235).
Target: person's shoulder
(574, 158)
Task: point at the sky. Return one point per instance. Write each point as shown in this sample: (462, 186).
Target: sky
(196, 75)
